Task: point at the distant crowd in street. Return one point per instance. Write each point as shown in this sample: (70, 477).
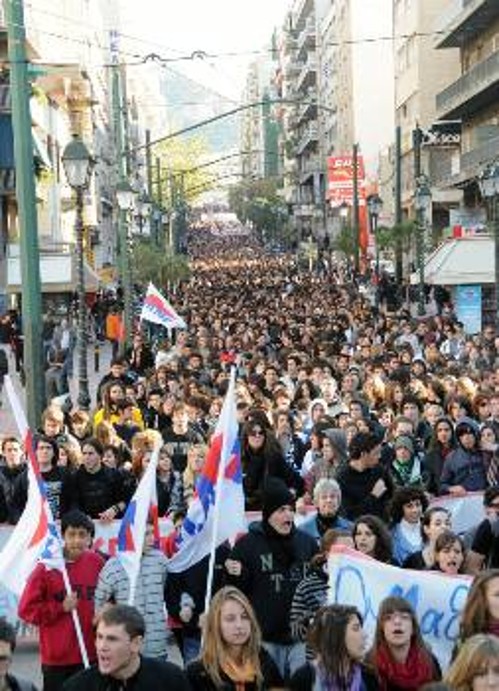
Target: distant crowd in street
(351, 416)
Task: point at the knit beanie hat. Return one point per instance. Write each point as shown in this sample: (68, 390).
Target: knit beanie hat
(404, 442)
(275, 494)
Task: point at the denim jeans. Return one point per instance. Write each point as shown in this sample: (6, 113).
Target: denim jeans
(288, 657)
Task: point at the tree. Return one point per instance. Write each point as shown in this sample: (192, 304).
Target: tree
(258, 202)
(387, 238)
(159, 267)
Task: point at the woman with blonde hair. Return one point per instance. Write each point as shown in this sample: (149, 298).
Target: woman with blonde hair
(232, 657)
(476, 668)
(481, 610)
(196, 453)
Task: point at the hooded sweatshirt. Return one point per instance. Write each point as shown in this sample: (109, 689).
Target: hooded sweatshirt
(463, 466)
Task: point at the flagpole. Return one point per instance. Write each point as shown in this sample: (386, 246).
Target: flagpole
(152, 470)
(22, 426)
(216, 508)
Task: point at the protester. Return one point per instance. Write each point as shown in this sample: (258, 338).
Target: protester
(481, 610)
(365, 486)
(327, 500)
(267, 565)
(232, 656)
(399, 655)
(450, 553)
(120, 664)
(476, 668)
(406, 511)
(47, 604)
(372, 537)
(114, 586)
(9, 681)
(484, 549)
(435, 521)
(338, 641)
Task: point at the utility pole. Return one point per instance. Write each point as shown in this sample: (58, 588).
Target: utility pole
(398, 206)
(159, 194)
(152, 218)
(420, 229)
(356, 224)
(121, 159)
(26, 208)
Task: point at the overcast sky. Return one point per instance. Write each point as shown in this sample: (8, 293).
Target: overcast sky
(213, 26)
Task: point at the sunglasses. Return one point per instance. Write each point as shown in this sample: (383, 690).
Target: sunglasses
(255, 433)
(5, 658)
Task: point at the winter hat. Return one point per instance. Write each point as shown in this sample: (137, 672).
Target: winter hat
(404, 442)
(275, 494)
(467, 423)
(338, 440)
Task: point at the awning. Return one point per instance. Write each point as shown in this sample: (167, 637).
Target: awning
(7, 160)
(461, 261)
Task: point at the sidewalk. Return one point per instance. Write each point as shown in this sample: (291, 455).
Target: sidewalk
(7, 422)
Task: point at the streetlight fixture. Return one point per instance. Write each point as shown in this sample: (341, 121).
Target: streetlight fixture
(78, 164)
(144, 208)
(488, 182)
(374, 207)
(422, 205)
(125, 196)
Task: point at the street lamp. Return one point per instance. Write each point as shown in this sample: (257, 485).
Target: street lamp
(144, 207)
(374, 207)
(78, 164)
(488, 181)
(125, 196)
(422, 205)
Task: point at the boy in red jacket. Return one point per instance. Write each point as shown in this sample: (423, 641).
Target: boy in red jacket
(46, 604)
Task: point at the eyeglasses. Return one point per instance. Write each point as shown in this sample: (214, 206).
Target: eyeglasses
(255, 433)
(5, 658)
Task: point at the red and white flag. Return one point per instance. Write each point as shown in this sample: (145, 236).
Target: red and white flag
(158, 310)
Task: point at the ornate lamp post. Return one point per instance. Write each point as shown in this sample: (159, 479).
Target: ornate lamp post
(125, 196)
(374, 207)
(78, 164)
(488, 182)
(422, 205)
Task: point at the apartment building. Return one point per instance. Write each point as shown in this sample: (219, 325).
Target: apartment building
(471, 27)
(421, 72)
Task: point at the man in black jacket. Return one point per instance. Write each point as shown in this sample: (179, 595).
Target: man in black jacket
(119, 637)
(267, 564)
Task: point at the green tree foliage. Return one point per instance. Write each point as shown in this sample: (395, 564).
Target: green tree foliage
(184, 175)
(344, 241)
(258, 202)
(153, 264)
(404, 233)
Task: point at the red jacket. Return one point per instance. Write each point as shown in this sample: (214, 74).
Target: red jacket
(41, 604)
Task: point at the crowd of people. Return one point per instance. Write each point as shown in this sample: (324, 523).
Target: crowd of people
(354, 419)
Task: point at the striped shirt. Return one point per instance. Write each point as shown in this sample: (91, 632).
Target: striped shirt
(114, 585)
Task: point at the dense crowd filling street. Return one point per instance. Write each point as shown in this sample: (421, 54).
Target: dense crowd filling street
(368, 447)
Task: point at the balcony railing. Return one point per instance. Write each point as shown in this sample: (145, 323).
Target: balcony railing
(481, 155)
(307, 73)
(479, 78)
(309, 136)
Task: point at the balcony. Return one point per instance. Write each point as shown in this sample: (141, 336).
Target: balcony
(472, 92)
(472, 163)
(474, 17)
(308, 139)
(306, 39)
(308, 110)
(308, 168)
(307, 76)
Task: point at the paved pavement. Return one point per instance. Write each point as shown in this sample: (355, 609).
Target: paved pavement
(7, 422)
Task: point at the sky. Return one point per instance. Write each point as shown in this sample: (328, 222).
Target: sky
(180, 27)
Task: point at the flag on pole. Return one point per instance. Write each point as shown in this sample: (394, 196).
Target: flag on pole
(158, 310)
(131, 534)
(36, 536)
(216, 513)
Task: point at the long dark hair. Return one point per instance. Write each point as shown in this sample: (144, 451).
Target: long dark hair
(326, 637)
(383, 546)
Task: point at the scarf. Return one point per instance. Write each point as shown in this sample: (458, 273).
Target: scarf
(325, 523)
(409, 473)
(493, 628)
(414, 672)
(324, 683)
(239, 674)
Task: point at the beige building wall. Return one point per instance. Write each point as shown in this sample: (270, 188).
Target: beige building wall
(421, 71)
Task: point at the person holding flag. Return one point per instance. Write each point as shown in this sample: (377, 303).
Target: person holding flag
(114, 586)
(137, 574)
(46, 603)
